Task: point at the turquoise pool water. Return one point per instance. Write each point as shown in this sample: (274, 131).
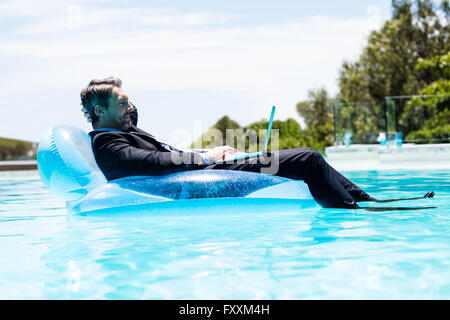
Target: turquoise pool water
(250, 254)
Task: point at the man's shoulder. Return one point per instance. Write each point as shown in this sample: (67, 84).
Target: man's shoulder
(132, 130)
(101, 137)
(133, 136)
(108, 132)
(97, 132)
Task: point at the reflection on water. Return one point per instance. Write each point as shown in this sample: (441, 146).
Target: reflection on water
(312, 253)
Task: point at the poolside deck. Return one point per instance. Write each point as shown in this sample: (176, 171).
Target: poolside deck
(377, 157)
(18, 165)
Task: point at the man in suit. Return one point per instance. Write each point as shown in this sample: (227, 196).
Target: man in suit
(122, 149)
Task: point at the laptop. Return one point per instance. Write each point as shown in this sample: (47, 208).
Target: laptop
(242, 155)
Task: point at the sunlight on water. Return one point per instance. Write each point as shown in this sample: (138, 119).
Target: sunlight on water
(254, 254)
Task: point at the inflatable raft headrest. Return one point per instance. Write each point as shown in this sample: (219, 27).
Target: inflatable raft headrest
(66, 162)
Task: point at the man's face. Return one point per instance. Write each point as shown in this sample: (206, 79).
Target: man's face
(117, 114)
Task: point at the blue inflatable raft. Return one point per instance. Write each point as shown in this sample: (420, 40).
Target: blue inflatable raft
(68, 169)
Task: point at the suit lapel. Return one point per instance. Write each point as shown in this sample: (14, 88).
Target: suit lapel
(148, 137)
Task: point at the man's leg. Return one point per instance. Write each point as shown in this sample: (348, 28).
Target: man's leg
(327, 186)
(308, 165)
(352, 188)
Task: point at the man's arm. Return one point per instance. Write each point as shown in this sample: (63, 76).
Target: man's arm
(117, 158)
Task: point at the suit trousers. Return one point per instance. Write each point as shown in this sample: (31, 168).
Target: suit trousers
(328, 187)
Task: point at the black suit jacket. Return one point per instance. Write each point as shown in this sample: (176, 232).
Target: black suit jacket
(136, 152)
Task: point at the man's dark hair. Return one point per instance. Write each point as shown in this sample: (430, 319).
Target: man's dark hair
(98, 92)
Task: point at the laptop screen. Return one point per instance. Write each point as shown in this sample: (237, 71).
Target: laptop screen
(269, 128)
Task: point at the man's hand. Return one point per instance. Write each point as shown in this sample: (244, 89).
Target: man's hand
(218, 153)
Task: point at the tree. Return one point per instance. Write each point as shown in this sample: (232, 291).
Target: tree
(216, 135)
(393, 63)
(428, 117)
(12, 149)
(386, 66)
(318, 115)
(225, 123)
(250, 138)
(290, 134)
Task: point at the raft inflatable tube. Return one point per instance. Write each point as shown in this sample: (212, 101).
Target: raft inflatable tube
(68, 169)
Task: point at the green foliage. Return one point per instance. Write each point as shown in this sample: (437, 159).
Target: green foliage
(225, 123)
(251, 137)
(11, 149)
(437, 67)
(428, 117)
(407, 56)
(288, 132)
(387, 64)
(318, 115)
(216, 135)
(363, 120)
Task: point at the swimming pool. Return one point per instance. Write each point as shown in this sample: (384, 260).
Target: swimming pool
(257, 254)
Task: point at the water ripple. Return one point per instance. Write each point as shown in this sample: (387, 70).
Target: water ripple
(309, 254)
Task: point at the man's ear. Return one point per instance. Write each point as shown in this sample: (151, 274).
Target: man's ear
(98, 110)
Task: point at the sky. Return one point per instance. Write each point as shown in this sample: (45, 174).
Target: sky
(184, 64)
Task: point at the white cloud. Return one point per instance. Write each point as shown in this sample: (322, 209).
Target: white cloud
(27, 8)
(208, 54)
(166, 50)
(56, 18)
